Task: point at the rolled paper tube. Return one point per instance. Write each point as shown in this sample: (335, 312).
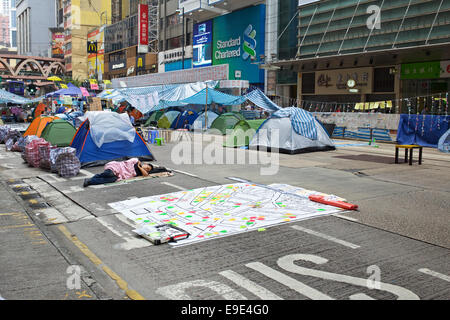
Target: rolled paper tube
(334, 203)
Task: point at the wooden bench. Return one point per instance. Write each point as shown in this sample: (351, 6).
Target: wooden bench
(410, 148)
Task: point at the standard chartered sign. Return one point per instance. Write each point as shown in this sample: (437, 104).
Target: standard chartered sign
(238, 40)
(227, 49)
(232, 47)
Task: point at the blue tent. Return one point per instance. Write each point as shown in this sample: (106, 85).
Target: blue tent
(71, 90)
(189, 115)
(91, 153)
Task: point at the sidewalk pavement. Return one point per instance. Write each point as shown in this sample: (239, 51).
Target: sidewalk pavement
(32, 266)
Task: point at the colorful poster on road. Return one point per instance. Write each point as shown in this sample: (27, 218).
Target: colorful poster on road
(218, 211)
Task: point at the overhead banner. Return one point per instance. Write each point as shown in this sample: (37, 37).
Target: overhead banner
(202, 44)
(143, 28)
(238, 40)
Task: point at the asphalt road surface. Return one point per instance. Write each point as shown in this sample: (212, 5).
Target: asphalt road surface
(395, 247)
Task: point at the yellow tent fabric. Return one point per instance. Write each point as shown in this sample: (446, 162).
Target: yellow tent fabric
(38, 125)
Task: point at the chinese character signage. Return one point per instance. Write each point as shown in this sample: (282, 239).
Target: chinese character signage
(336, 81)
(422, 70)
(143, 29)
(202, 44)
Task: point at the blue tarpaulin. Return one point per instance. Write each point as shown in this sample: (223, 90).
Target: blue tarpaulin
(71, 90)
(8, 97)
(422, 130)
(213, 96)
(261, 100)
(302, 121)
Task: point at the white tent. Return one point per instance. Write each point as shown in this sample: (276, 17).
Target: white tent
(199, 123)
(292, 131)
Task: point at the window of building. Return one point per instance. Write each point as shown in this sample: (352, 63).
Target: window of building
(384, 81)
(308, 83)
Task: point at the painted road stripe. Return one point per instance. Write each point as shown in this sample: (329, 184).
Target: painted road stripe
(289, 282)
(183, 172)
(339, 215)
(249, 285)
(132, 294)
(435, 274)
(174, 186)
(327, 237)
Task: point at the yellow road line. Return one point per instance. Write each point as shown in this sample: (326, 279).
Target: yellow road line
(132, 294)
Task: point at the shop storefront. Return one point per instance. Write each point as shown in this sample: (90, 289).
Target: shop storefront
(342, 89)
(127, 62)
(424, 83)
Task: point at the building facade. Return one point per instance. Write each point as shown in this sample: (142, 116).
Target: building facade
(12, 24)
(355, 51)
(79, 19)
(4, 31)
(34, 17)
(123, 56)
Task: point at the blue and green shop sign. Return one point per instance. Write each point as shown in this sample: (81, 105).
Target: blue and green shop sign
(237, 37)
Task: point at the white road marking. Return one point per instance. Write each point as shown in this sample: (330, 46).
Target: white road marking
(85, 175)
(178, 291)
(435, 274)
(288, 264)
(327, 237)
(298, 286)
(249, 285)
(183, 172)
(174, 186)
(130, 241)
(339, 215)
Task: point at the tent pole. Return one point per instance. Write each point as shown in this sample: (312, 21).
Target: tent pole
(206, 109)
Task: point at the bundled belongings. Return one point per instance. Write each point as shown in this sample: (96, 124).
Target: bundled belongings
(54, 154)
(23, 142)
(4, 130)
(11, 138)
(67, 164)
(44, 153)
(32, 155)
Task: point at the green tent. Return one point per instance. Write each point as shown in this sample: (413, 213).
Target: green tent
(166, 120)
(59, 133)
(226, 121)
(154, 117)
(243, 132)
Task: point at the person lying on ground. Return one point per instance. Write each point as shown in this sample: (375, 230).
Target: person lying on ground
(123, 170)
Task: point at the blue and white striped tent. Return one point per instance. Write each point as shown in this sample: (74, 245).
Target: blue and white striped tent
(291, 130)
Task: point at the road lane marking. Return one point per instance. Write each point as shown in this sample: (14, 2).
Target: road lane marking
(327, 237)
(249, 285)
(289, 282)
(435, 274)
(132, 294)
(130, 241)
(179, 291)
(339, 215)
(174, 186)
(288, 264)
(183, 172)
